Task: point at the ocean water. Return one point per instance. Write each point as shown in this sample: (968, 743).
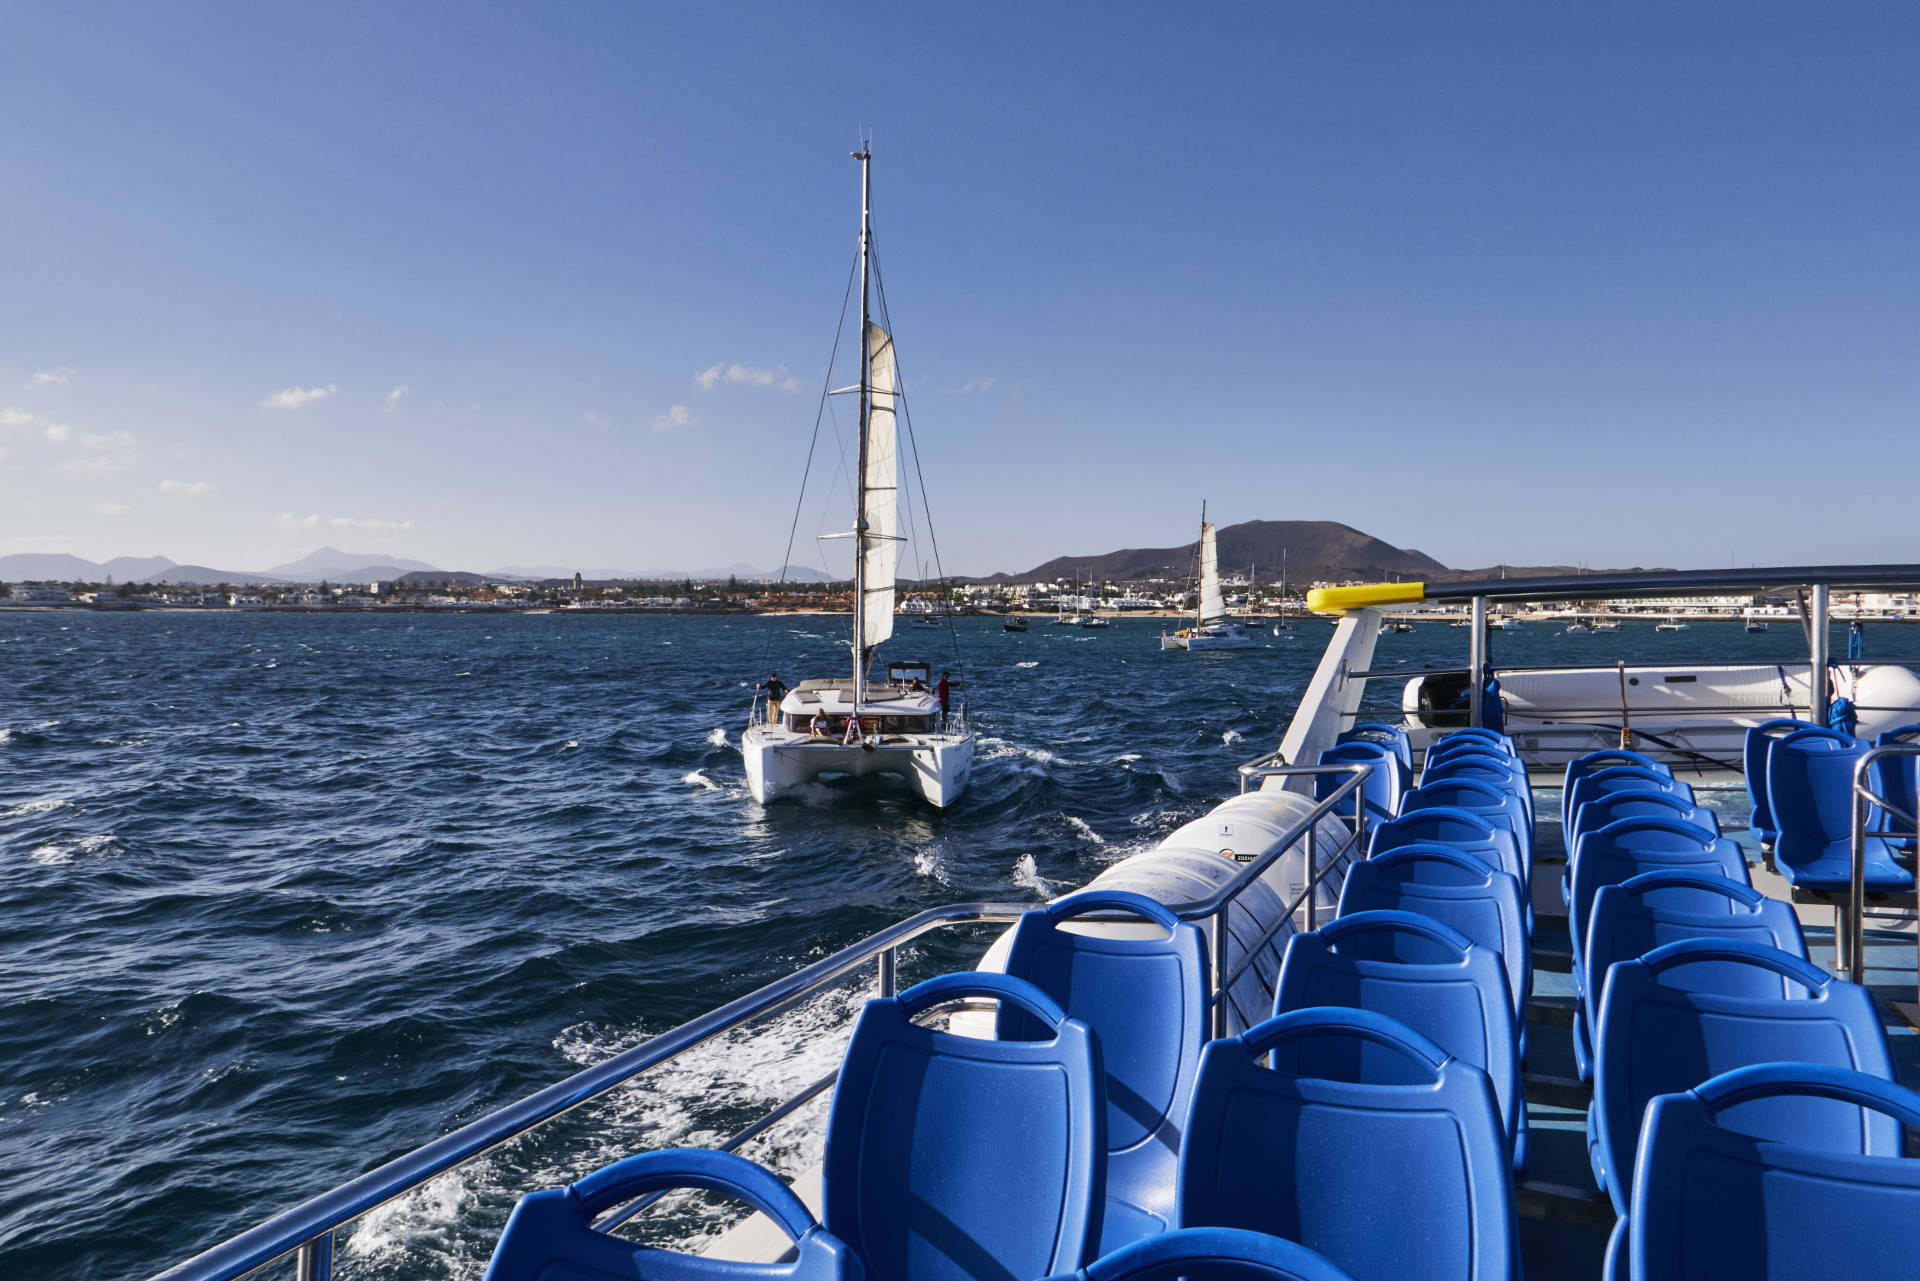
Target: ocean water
(282, 897)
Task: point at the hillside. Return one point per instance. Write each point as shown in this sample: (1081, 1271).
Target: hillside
(1314, 549)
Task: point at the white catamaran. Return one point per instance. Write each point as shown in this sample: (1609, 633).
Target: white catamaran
(1211, 629)
(856, 725)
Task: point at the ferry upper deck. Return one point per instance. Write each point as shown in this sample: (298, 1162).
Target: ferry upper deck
(1562, 989)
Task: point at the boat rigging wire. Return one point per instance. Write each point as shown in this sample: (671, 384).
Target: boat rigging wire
(820, 411)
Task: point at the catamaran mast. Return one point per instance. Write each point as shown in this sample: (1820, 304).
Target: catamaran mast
(865, 157)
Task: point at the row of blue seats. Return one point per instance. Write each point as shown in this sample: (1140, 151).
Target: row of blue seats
(1800, 779)
(1684, 973)
(1368, 1130)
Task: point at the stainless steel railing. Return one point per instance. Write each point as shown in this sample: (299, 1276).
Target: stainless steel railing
(1853, 957)
(307, 1230)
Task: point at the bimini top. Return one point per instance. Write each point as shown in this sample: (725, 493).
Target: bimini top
(1651, 582)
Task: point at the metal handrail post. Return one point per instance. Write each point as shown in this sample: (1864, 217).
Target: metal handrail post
(315, 1260)
(1819, 694)
(1313, 872)
(1220, 974)
(1477, 660)
(887, 978)
(1854, 958)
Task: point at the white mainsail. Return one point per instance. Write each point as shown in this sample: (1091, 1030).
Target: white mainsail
(1212, 607)
(881, 544)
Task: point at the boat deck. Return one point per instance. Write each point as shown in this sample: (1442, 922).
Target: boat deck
(1564, 1217)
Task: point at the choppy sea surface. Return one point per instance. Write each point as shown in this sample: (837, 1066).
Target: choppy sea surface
(282, 897)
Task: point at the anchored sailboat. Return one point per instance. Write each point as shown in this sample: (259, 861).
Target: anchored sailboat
(1211, 629)
(856, 725)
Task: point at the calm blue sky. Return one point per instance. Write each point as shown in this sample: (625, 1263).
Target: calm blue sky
(1622, 284)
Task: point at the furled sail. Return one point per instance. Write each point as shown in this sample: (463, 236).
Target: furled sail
(1212, 607)
(881, 545)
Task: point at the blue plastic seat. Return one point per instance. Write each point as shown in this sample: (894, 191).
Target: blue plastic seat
(1455, 889)
(1618, 778)
(1391, 736)
(1146, 1000)
(1656, 908)
(550, 1235)
(1640, 802)
(1714, 1202)
(1753, 759)
(1428, 976)
(1489, 737)
(1383, 787)
(1898, 779)
(1210, 1254)
(1810, 794)
(1492, 843)
(950, 1158)
(1495, 804)
(1627, 847)
(1404, 1175)
(1659, 1038)
(1592, 763)
(1484, 767)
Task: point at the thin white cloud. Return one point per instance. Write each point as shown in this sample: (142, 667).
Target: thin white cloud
(971, 386)
(592, 419)
(365, 524)
(393, 397)
(298, 397)
(99, 463)
(111, 509)
(120, 440)
(676, 416)
(194, 488)
(59, 433)
(58, 376)
(745, 376)
(13, 416)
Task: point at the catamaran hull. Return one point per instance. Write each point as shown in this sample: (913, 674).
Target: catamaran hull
(1197, 643)
(937, 765)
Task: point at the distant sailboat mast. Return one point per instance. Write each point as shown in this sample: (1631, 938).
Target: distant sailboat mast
(877, 503)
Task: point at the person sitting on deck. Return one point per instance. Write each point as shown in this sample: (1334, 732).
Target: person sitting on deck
(817, 728)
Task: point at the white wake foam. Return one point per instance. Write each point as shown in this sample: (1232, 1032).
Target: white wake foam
(1026, 874)
(717, 738)
(1084, 830)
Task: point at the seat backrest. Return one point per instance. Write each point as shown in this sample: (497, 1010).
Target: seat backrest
(1810, 787)
(1656, 908)
(1593, 762)
(1658, 1038)
(1484, 767)
(1455, 889)
(1210, 1254)
(1626, 847)
(1145, 997)
(1619, 778)
(1382, 788)
(1305, 1158)
(550, 1235)
(1391, 736)
(1441, 753)
(1753, 759)
(1412, 968)
(1468, 832)
(1711, 1200)
(1898, 779)
(950, 1158)
(1490, 737)
(1493, 802)
(1640, 802)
